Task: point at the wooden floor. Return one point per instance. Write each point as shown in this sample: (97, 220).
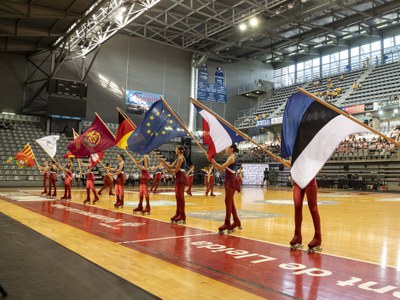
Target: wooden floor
(356, 225)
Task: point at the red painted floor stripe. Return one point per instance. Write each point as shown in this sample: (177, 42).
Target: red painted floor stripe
(261, 268)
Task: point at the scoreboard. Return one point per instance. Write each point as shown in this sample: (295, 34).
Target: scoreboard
(65, 87)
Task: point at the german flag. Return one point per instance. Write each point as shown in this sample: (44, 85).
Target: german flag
(25, 158)
(125, 128)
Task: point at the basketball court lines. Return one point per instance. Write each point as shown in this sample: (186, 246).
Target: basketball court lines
(262, 268)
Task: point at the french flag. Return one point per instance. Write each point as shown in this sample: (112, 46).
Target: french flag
(310, 134)
(217, 135)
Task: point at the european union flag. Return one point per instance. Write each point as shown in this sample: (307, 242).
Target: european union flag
(158, 127)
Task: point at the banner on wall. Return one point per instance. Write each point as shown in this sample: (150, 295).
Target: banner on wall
(253, 174)
(138, 102)
(355, 109)
(215, 92)
(263, 123)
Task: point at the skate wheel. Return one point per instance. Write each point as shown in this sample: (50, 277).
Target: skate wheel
(240, 227)
(221, 232)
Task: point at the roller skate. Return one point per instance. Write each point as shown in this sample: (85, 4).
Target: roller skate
(146, 211)
(235, 224)
(119, 204)
(87, 201)
(212, 195)
(180, 220)
(295, 243)
(95, 200)
(221, 229)
(173, 218)
(138, 210)
(314, 245)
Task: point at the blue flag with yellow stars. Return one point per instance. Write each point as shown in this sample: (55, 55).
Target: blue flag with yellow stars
(158, 127)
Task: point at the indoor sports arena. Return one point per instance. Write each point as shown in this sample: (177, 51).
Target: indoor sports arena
(199, 149)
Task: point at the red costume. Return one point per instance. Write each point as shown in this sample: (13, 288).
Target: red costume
(52, 182)
(190, 183)
(156, 180)
(90, 187)
(46, 176)
(180, 182)
(231, 185)
(119, 188)
(108, 182)
(67, 182)
(143, 192)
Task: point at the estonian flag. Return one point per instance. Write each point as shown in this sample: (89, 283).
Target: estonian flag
(217, 135)
(310, 134)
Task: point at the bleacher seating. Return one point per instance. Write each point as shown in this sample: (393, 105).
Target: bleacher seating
(13, 141)
(381, 85)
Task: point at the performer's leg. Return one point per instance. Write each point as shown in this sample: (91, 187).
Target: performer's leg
(189, 190)
(103, 187)
(93, 188)
(236, 220)
(207, 187)
(146, 195)
(157, 183)
(118, 194)
(212, 188)
(65, 188)
(87, 200)
(45, 178)
(110, 184)
(311, 192)
(298, 197)
(177, 212)
(228, 210)
(153, 184)
(180, 193)
(139, 208)
(55, 187)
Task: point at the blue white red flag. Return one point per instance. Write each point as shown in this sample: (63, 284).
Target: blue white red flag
(217, 135)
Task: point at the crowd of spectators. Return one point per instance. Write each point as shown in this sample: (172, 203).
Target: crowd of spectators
(4, 124)
(352, 145)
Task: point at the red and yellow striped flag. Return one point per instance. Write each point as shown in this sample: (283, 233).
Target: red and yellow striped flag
(25, 158)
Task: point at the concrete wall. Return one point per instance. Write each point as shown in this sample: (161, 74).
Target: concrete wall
(12, 70)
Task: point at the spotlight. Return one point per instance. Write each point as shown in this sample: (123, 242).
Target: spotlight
(395, 110)
(253, 22)
(290, 5)
(242, 27)
(380, 113)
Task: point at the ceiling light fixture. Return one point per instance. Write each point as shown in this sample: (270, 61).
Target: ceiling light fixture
(253, 22)
(242, 27)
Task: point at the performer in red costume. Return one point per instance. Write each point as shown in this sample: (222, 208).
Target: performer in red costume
(45, 172)
(143, 165)
(119, 182)
(67, 169)
(90, 187)
(178, 168)
(190, 175)
(231, 185)
(53, 179)
(157, 178)
(108, 181)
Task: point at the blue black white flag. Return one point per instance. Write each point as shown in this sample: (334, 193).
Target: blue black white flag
(310, 134)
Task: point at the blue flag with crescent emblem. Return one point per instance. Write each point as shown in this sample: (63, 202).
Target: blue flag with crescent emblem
(158, 127)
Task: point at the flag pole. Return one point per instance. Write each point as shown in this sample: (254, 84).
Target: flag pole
(243, 135)
(105, 124)
(183, 126)
(79, 160)
(339, 111)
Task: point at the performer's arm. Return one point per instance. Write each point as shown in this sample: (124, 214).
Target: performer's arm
(177, 163)
(222, 167)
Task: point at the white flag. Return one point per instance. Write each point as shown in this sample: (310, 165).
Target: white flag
(49, 144)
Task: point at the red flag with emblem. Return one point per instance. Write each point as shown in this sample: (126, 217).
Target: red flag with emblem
(95, 139)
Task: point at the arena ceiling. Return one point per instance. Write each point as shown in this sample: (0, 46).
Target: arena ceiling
(207, 27)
